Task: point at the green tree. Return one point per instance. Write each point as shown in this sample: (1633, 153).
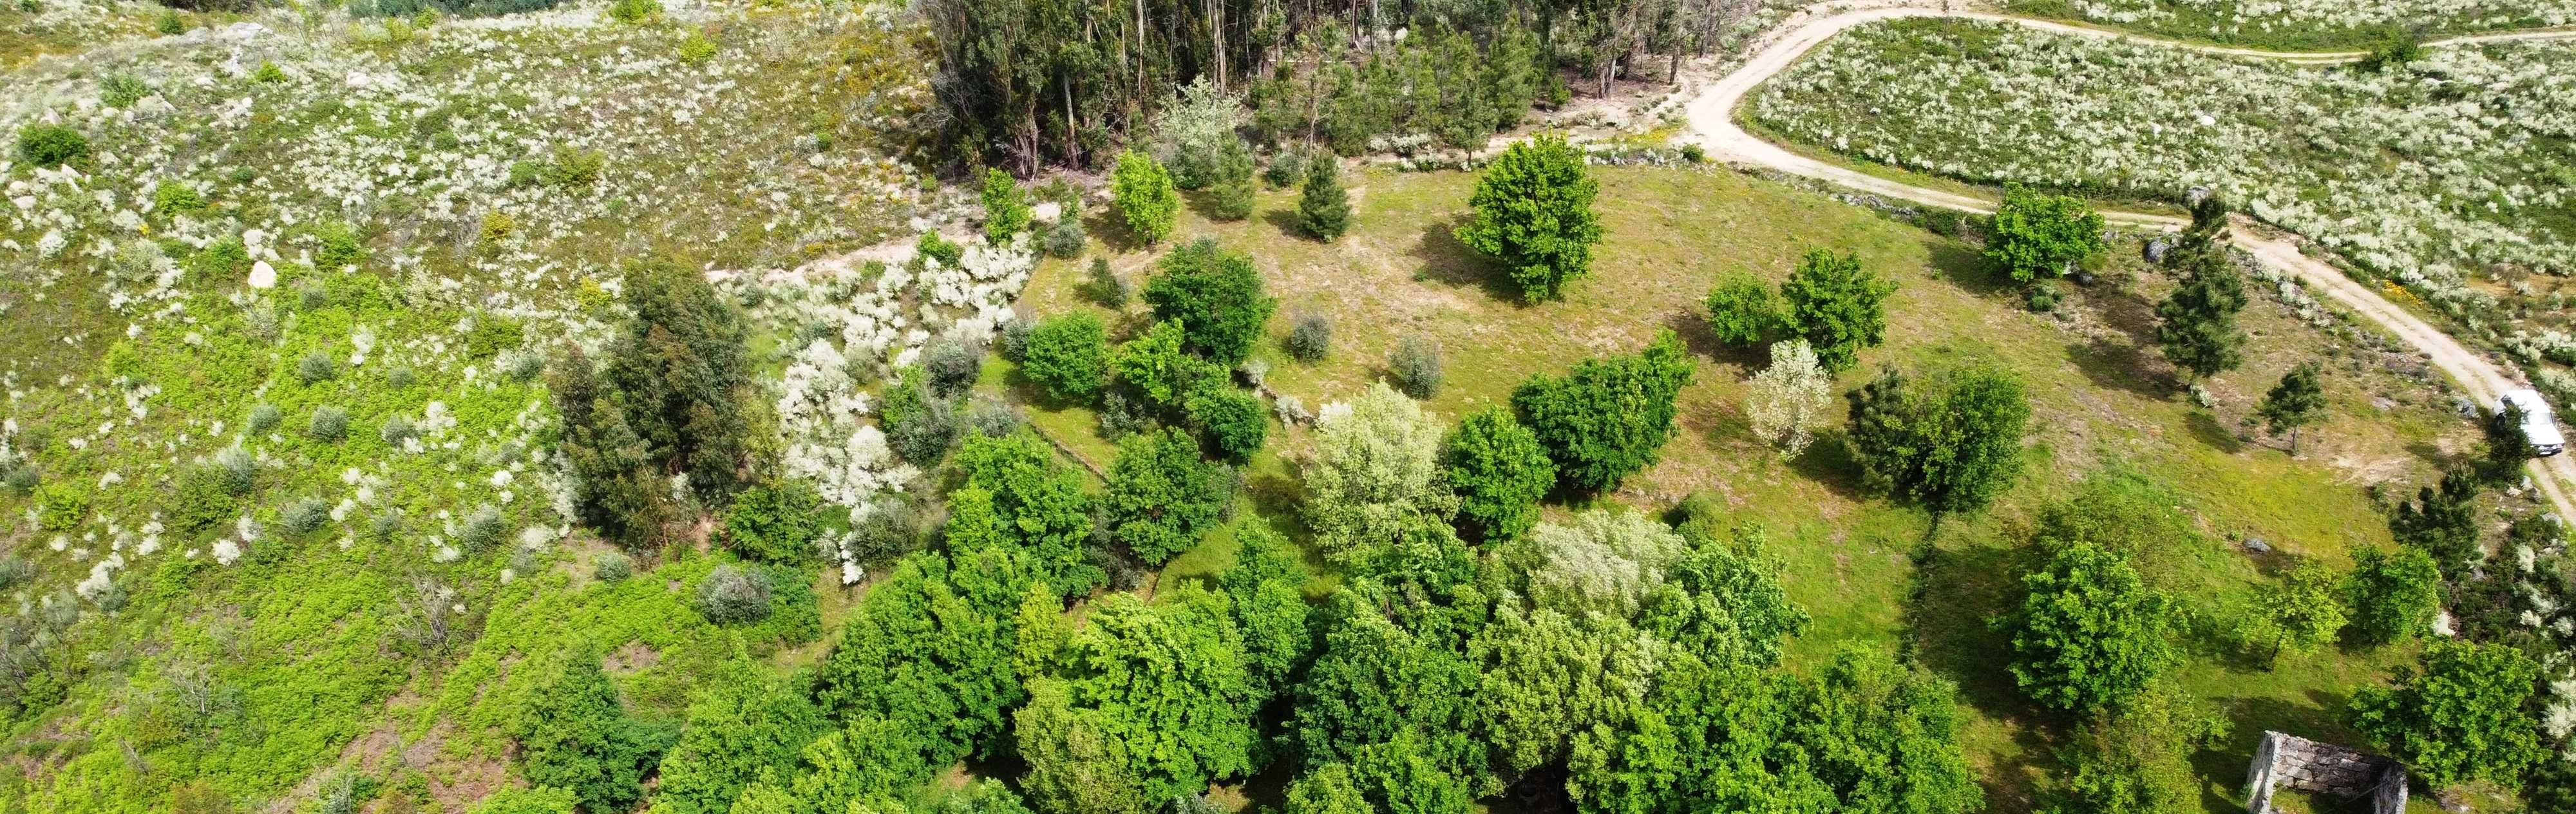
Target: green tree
(680, 373)
(2394, 594)
(1323, 206)
(539, 800)
(2138, 761)
(618, 483)
(1234, 181)
(574, 734)
(1006, 207)
(1138, 706)
(1836, 305)
(1882, 736)
(1533, 212)
(2036, 236)
(2298, 402)
(2458, 719)
(1162, 496)
(1949, 443)
(1741, 309)
(2442, 523)
(1500, 470)
(1038, 506)
(2088, 634)
(1143, 193)
(1155, 365)
(1217, 297)
(1068, 355)
(2303, 609)
(1374, 681)
(927, 654)
(2196, 325)
(1233, 421)
(1607, 418)
(741, 725)
(1373, 470)
(775, 522)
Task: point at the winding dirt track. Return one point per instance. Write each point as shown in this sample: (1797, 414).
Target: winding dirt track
(1712, 125)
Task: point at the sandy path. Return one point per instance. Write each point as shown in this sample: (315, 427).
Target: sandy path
(1712, 125)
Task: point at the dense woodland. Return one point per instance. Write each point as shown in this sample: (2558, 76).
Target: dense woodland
(1050, 82)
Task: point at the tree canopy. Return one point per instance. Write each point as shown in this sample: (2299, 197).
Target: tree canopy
(1373, 470)
(1534, 214)
(2035, 235)
(1217, 298)
(1950, 442)
(2088, 634)
(1162, 495)
(1607, 418)
(1500, 471)
(1836, 305)
(2460, 718)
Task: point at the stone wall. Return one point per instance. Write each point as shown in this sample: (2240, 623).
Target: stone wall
(2293, 762)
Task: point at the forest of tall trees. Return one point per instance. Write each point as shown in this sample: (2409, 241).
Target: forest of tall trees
(1035, 82)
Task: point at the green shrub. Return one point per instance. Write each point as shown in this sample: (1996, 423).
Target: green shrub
(340, 247)
(1064, 238)
(634, 11)
(206, 501)
(1106, 287)
(733, 595)
(936, 247)
(1415, 366)
(952, 365)
(51, 145)
(222, 258)
(329, 424)
(481, 530)
(396, 430)
(268, 72)
(303, 516)
(175, 198)
(1068, 355)
(1233, 420)
(697, 49)
(61, 507)
(1742, 309)
(579, 168)
(263, 417)
(1311, 339)
(21, 476)
(1286, 169)
(315, 368)
(169, 23)
(239, 470)
(1006, 207)
(612, 567)
(122, 90)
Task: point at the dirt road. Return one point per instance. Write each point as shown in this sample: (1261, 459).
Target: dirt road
(1712, 125)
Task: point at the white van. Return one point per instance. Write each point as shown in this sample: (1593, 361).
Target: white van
(2537, 424)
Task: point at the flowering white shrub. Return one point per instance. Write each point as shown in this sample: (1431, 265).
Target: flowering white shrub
(2232, 18)
(2425, 174)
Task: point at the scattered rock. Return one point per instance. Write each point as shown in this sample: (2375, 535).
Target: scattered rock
(263, 275)
(2156, 249)
(2257, 545)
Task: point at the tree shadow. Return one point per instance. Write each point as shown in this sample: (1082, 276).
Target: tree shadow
(1829, 461)
(2114, 365)
(2207, 430)
(1451, 263)
(1958, 591)
(1113, 231)
(1966, 268)
(2321, 719)
(2431, 453)
(1692, 326)
(1285, 220)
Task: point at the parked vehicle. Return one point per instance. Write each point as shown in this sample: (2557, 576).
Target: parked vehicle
(2537, 423)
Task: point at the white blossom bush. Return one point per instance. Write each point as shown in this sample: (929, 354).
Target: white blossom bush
(2302, 20)
(2430, 175)
(1787, 401)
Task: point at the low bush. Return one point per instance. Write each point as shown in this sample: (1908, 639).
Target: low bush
(121, 90)
(1416, 368)
(51, 145)
(315, 367)
(303, 516)
(329, 423)
(733, 595)
(1311, 339)
(481, 530)
(1064, 238)
(612, 567)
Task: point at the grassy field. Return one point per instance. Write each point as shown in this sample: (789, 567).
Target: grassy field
(1867, 569)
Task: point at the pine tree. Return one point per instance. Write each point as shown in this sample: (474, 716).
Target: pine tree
(1325, 209)
(2197, 327)
(2298, 402)
(1234, 182)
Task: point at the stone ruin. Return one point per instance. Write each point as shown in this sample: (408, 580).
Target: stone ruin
(2290, 761)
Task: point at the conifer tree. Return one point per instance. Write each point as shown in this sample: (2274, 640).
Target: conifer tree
(1325, 209)
(2197, 324)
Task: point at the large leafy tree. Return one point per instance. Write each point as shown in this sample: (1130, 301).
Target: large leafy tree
(2196, 325)
(2088, 633)
(1217, 297)
(2302, 610)
(1156, 365)
(1142, 191)
(618, 484)
(1500, 471)
(2442, 522)
(1374, 469)
(2138, 761)
(575, 734)
(2296, 403)
(679, 371)
(1950, 442)
(1534, 213)
(1068, 355)
(1038, 506)
(1140, 705)
(1374, 681)
(2394, 594)
(742, 724)
(927, 656)
(1162, 496)
(2458, 719)
(1836, 305)
(1006, 207)
(1607, 418)
(2035, 235)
